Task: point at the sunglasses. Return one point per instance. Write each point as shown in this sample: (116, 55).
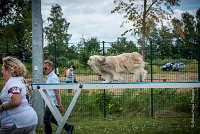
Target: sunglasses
(45, 68)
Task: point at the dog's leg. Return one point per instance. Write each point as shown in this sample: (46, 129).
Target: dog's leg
(136, 77)
(118, 76)
(108, 78)
(143, 75)
(139, 76)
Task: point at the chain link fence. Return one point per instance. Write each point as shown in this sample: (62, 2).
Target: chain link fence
(138, 102)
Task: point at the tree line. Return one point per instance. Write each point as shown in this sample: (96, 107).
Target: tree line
(181, 40)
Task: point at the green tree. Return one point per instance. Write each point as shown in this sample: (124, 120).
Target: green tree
(88, 48)
(198, 23)
(57, 35)
(189, 35)
(161, 40)
(155, 41)
(178, 35)
(122, 46)
(165, 46)
(7, 8)
(186, 33)
(15, 29)
(198, 31)
(143, 16)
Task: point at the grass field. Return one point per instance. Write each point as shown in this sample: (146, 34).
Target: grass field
(133, 126)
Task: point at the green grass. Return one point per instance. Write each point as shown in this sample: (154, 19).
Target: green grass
(133, 126)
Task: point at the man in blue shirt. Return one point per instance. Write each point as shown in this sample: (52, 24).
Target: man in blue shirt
(54, 95)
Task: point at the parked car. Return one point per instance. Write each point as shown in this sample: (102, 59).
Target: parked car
(178, 66)
(167, 66)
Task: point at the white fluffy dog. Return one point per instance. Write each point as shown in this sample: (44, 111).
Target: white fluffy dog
(114, 67)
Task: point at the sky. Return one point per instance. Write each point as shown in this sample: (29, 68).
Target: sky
(93, 18)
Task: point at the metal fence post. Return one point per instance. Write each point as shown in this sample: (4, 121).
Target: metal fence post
(104, 91)
(151, 58)
(55, 65)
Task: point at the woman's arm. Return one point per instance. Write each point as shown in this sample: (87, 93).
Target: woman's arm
(14, 102)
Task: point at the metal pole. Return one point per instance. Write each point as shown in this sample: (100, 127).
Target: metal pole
(37, 57)
(55, 65)
(151, 56)
(104, 91)
(103, 48)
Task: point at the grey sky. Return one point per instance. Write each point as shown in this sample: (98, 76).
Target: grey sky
(93, 18)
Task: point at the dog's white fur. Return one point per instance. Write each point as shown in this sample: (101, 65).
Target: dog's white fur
(114, 67)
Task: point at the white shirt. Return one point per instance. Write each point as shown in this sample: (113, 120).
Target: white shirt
(52, 78)
(23, 115)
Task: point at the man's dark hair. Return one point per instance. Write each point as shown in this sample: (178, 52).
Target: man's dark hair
(74, 67)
